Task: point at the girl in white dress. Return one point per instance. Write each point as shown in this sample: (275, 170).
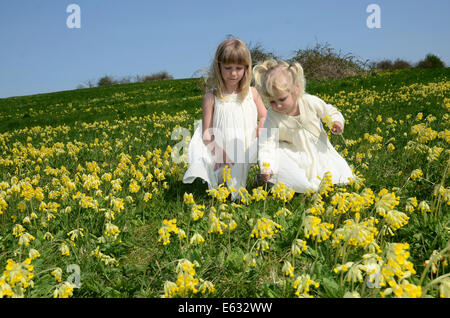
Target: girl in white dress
(227, 134)
(294, 147)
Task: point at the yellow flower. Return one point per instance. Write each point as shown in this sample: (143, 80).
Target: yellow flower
(390, 147)
(283, 211)
(111, 230)
(18, 230)
(26, 238)
(169, 226)
(188, 198)
(424, 207)
(64, 249)
(265, 228)
(197, 211)
(196, 239)
(411, 204)
(416, 174)
(64, 290)
(244, 196)
(386, 201)
(147, 196)
(57, 273)
(298, 246)
(134, 186)
(288, 269)
(302, 285)
(259, 194)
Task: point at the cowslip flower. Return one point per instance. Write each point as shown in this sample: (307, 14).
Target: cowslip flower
(216, 225)
(424, 207)
(386, 201)
(395, 219)
(244, 196)
(298, 246)
(26, 238)
(168, 227)
(57, 274)
(64, 290)
(282, 192)
(416, 174)
(313, 226)
(196, 239)
(134, 186)
(283, 211)
(288, 269)
(147, 196)
(187, 283)
(188, 198)
(64, 249)
(259, 194)
(265, 228)
(197, 211)
(111, 230)
(411, 204)
(302, 285)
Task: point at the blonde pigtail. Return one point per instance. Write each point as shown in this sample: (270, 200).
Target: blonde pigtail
(298, 76)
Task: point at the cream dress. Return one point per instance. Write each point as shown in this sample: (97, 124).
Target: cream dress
(234, 129)
(297, 147)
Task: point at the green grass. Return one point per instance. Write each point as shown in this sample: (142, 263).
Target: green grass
(71, 129)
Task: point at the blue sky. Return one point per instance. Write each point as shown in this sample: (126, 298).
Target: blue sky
(39, 53)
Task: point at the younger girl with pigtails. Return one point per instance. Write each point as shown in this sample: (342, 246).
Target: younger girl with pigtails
(294, 148)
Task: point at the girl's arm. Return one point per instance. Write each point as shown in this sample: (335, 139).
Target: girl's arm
(261, 108)
(220, 156)
(323, 109)
(268, 143)
(207, 120)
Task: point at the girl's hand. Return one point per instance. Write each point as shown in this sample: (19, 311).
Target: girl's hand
(258, 131)
(337, 127)
(265, 177)
(224, 160)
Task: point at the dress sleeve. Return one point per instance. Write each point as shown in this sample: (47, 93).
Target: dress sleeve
(268, 143)
(322, 109)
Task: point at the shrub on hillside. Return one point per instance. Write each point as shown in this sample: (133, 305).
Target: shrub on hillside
(105, 81)
(431, 61)
(163, 75)
(259, 54)
(387, 64)
(322, 62)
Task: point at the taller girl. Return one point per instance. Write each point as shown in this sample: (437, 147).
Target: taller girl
(229, 128)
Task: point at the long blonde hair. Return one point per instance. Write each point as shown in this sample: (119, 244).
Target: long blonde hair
(231, 51)
(275, 76)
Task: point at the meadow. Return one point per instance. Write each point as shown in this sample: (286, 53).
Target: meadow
(92, 203)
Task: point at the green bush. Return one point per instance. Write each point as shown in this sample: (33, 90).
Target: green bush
(105, 81)
(259, 54)
(387, 64)
(322, 62)
(431, 61)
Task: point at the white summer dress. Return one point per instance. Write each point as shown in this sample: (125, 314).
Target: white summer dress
(297, 148)
(234, 129)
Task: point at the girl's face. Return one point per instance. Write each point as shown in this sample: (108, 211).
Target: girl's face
(285, 103)
(232, 74)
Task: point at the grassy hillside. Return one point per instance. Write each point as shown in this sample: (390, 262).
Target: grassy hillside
(88, 190)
